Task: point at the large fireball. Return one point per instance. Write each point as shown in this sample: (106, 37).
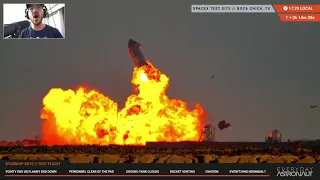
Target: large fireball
(88, 117)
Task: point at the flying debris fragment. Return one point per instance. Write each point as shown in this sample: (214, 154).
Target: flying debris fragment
(313, 106)
(136, 54)
(223, 125)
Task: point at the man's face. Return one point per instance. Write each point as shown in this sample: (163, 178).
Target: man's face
(36, 14)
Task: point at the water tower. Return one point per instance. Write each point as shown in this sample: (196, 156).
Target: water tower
(274, 136)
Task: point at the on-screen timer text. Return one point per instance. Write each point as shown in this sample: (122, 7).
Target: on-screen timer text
(297, 8)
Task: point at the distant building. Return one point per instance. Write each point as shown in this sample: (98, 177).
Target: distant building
(56, 17)
(30, 142)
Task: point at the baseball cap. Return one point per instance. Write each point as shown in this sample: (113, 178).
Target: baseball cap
(29, 5)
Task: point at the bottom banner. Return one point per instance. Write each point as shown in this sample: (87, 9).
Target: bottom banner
(65, 169)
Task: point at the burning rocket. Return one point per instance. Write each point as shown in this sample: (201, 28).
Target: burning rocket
(136, 54)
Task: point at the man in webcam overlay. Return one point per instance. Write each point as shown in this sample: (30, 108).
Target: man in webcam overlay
(38, 29)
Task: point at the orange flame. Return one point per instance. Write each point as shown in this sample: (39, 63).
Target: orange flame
(80, 117)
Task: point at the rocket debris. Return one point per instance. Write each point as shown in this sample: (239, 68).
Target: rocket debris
(136, 54)
(223, 125)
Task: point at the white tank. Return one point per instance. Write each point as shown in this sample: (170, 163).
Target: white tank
(37, 138)
(209, 133)
(275, 135)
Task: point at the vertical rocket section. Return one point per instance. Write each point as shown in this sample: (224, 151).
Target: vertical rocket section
(136, 54)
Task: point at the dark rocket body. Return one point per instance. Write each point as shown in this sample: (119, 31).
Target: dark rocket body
(14, 29)
(136, 54)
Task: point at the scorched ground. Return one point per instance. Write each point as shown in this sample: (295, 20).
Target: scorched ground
(83, 117)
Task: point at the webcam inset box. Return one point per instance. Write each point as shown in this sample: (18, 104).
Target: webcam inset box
(33, 21)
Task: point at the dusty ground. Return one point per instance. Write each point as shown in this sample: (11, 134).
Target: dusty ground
(89, 154)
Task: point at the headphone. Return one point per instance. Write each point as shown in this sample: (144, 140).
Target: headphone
(45, 12)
